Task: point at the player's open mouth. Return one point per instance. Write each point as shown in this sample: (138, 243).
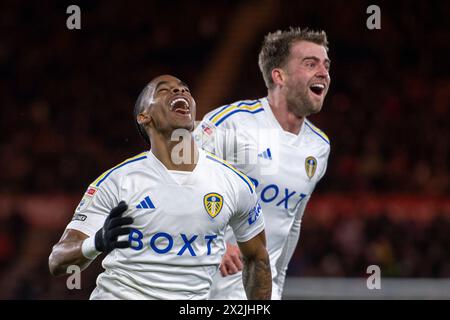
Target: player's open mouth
(180, 105)
(317, 88)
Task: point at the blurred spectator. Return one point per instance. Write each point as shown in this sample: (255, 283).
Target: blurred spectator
(346, 247)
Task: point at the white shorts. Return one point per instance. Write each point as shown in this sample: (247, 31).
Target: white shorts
(232, 288)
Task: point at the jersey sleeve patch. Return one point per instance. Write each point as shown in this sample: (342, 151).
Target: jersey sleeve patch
(86, 200)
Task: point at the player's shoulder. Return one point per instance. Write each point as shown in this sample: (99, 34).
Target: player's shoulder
(230, 172)
(316, 135)
(123, 168)
(236, 112)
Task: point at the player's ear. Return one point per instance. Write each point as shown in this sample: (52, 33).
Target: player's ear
(278, 76)
(144, 118)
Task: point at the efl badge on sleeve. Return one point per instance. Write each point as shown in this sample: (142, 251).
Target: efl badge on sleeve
(205, 136)
(310, 166)
(90, 192)
(213, 203)
(207, 129)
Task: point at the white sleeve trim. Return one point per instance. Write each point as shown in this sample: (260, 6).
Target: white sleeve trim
(83, 227)
(252, 234)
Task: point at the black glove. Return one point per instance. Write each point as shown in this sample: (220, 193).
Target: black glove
(106, 237)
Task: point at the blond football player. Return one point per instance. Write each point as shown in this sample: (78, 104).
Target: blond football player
(272, 141)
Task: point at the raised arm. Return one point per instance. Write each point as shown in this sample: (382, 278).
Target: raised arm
(256, 274)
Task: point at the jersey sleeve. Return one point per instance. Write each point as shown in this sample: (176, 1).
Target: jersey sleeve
(94, 207)
(248, 221)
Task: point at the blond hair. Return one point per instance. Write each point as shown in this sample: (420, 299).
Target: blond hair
(277, 46)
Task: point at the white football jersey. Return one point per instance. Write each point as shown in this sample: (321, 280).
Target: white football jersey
(284, 167)
(177, 240)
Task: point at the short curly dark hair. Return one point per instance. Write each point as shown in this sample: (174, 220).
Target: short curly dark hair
(277, 46)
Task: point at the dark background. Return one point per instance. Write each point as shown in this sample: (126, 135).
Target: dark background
(66, 116)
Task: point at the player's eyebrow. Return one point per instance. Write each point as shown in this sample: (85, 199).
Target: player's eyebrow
(316, 59)
(184, 84)
(160, 84)
(167, 82)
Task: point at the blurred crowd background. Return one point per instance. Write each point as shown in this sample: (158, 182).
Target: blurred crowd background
(66, 116)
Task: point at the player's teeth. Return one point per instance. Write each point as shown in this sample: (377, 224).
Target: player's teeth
(177, 100)
(321, 86)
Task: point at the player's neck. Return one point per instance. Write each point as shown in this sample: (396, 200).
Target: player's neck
(175, 155)
(287, 119)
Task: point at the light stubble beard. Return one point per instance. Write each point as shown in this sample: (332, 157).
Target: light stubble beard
(301, 105)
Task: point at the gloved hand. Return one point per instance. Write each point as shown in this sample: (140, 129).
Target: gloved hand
(106, 237)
